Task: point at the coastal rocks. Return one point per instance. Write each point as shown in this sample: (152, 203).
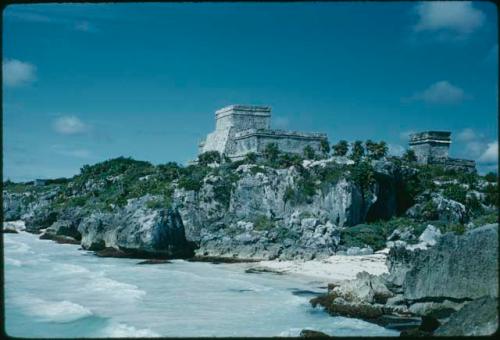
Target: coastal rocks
(137, 231)
(477, 318)
(457, 267)
(438, 208)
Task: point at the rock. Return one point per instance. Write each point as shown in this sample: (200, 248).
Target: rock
(477, 318)
(457, 267)
(111, 252)
(356, 251)
(439, 208)
(430, 235)
(429, 324)
(440, 309)
(308, 333)
(154, 261)
(58, 238)
(9, 228)
(137, 231)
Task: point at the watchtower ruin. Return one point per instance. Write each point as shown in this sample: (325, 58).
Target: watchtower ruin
(243, 129)
(432, 147)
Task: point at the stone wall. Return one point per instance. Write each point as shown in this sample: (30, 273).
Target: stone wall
(256, 141)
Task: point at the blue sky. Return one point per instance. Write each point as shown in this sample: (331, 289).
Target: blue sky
(85, 83)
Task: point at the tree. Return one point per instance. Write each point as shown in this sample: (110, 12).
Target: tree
(309, 152)
(409, 156)
(371, 148)
(271, 152)
(380, 150)
(341, 148)
(325, 146)
(357, 151)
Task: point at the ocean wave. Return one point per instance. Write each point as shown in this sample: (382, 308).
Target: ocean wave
(12, 262)
(122, 330)
(54, 311)
(69, 268)
(119, 289)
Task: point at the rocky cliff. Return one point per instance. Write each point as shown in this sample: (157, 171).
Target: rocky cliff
(458, 273)
(286, 208)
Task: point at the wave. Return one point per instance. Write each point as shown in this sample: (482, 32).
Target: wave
(54, 311)
(117, 288)
(122, 330)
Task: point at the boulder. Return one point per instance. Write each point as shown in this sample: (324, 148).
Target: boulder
(477, 318)
(456, 268)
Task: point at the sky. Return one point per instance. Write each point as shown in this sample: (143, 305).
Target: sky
(83, 83)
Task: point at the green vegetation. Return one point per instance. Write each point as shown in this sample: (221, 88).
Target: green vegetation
(341, 148)
(409, 156)
(209, 157)
(309, 152)
(455, 192)
(271, 152)
(357, 151)
(325, 146)
(363, 175)
(262, 223)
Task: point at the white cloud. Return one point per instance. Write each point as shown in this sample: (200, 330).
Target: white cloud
(441, 92)
(466, 135)
(17, 73)
(490, 155)
(396, 149)
(458, 17)
(69, 125)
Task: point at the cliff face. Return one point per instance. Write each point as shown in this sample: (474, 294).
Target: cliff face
(262, 210)
(252, 211)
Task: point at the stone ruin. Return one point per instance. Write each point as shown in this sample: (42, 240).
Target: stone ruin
(243, 129)
(432, 147)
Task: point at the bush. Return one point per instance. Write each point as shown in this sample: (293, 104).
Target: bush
(271, 152)
(409, 156)
(491, 177)
(363, 234)
(262, 222)
(363, 175)
(250, 158)
(455, 192)
(222, 192)
(209, 157)
(309, 152)
(491, 195)
(325, 146)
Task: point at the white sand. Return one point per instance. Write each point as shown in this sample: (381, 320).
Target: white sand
(332, 269)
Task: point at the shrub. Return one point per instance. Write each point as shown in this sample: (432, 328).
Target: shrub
(491, 177)
(222, 192)
(455, 192)
(209, 157)
(250, 158)
(309, 152)
(325, 146)
(485, 219)
(491, 195)
(362, 174)
(409, 156)
(262, 222)
(271, 152)
(363, 234)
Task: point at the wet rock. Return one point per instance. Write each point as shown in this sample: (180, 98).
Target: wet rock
(477, 318)
(307, 333)
(58, 238)
(111, 252)
(154, 261)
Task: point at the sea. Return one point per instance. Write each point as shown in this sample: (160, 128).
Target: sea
(59, 290)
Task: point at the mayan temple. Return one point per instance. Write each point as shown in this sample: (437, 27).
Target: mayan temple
(243, 129)
(432, 147)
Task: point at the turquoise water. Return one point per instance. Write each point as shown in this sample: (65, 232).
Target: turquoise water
(55, 290)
